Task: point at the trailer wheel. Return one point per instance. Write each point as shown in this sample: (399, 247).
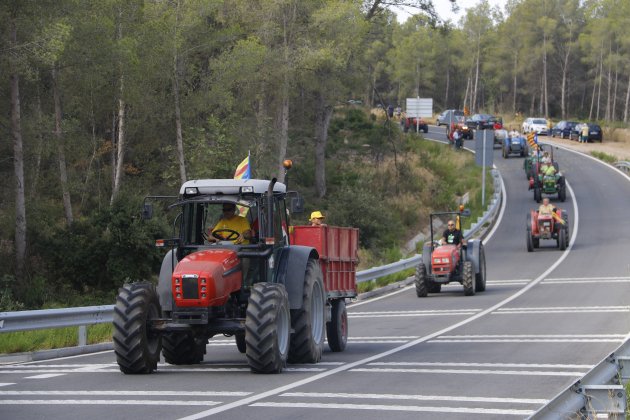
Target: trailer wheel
(182, 349)
(267, 328)
(137, 348)
(308, 322)
(468, 280)
(421, 284)
(240, 342)
(337, 328)
(480, 277)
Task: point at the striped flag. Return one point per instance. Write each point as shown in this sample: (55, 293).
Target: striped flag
(243, 170)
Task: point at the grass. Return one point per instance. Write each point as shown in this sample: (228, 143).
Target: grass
(25, 341)
(604, 157)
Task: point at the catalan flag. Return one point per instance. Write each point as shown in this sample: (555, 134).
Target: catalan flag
(243, 170)
(532, 140)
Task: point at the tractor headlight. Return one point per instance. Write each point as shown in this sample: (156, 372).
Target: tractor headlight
(177, 280)
(178, 289)
(203, 295)
(445, 260)
(203, 288)
(436, 260)
(179, 296)
(191, 191)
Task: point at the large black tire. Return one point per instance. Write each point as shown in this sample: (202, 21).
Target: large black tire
(240, 342)
(137, 348)
(337, 328)
(433, 287)
(562, 193)
(562, 239)
(536, 242)
(468, 280)
(530, 242)
(182, 348)
(309, 322)
(267, 328)
(480, 277)
(537, 193)
(421, 281)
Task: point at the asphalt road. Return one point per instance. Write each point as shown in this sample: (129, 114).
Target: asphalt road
(545, 319)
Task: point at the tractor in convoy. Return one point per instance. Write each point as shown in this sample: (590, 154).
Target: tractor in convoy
(277, 294)
(414, 124)
(445, 263)
(514, 145)
(547, 226)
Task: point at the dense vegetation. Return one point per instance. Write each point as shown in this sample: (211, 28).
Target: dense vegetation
(108, 101)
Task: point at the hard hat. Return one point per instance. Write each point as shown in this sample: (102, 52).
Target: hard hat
(317, 215)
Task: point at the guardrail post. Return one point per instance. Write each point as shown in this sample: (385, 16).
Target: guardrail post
(82, 335)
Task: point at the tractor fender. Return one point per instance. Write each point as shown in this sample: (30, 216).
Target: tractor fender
(426, 256)
(164, 289)
(291, 268)
(473, 252)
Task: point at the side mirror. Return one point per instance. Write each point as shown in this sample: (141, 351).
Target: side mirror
(297, 205)
(147, 211)
(466, 213)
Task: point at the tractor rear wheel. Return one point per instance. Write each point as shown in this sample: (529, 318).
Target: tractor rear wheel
(530, 242)
(562, 193)
(537, 193)
(337, 328)
(468, 280)
(309, 322)
(267, 328)
(240, 342)
(562, 239)
(480, 277)
(421, 281)
(137, 348)
(182, 349)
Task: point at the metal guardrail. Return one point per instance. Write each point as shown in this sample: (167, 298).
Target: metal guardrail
(623, 165)
(600, 391)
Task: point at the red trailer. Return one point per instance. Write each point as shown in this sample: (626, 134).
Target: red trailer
(338, 259)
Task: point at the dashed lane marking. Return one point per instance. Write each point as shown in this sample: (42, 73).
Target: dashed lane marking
(474, 372)
(45, 376)
(7, 383)
(530, 338)
(437, 312)
(409, 408)
(108, 402)
(488, 365)
(586, 280)
(416, 397)
(562, 310)
(133, 392)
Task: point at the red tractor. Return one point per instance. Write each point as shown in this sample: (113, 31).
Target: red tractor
(414, 124)
(443, 264)
(270, 294)
(547, 226)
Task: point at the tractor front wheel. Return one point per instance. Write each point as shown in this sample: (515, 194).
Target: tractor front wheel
(468, 280)
(537, 193)
(562, 193)
(267, 328)
(421, 281)
(562, 239)
(480, 277)
(182, 349)
(530, 242)
(137, 348)
(308, 322)
(337, 328)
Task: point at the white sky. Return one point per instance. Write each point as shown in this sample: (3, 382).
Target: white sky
(443, 9)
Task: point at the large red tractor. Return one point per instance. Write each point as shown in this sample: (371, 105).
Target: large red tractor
(270, 294)
(553, 226)
(443, 264)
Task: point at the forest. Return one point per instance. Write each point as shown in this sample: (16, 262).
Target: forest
(105, 102)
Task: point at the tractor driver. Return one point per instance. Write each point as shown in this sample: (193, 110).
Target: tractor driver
(452, 236)
(230, 220)
(546, 208)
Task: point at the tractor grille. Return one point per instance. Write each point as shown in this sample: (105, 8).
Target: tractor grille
(190, 288)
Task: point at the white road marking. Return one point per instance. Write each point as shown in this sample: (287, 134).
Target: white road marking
(416, 397)
(533, 340)
(489, 365)
(7, 383)
(107, 402)
(562, 309)
(399, 314)
(397, 408)
(355, 304)
(536, 336)
(173, 369)
(474, 372)
(134, 392)
(587, 280)
(272, 392)
(45, 376)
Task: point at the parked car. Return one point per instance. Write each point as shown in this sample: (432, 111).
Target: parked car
(537, 125)
(448, 116)
(563, 129)
(481, 121)
(594, 132)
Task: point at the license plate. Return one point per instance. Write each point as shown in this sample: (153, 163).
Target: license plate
(594, 132)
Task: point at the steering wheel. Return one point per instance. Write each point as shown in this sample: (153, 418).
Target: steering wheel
(232, 234)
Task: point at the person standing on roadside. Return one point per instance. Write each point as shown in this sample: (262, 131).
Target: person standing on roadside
(584, 133)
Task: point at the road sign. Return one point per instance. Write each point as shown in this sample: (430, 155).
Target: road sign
(484, 151)
(419, 107)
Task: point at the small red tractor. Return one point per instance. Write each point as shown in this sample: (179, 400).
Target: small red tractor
(443, 264)
(414, 124)
(271, 295)
(547, 226)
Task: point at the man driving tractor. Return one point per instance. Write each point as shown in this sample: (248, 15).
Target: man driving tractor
(452, 236)
(231, 222)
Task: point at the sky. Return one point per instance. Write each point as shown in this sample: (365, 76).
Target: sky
(443, 9)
